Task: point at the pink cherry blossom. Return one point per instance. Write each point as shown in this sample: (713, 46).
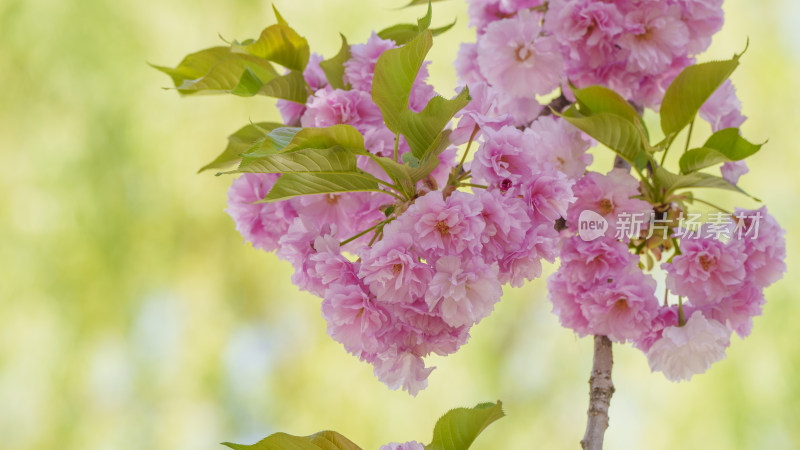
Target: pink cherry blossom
(466, 64)
(723, 109)
(621, 307)
(524, 263)
(261, 224)
(354, 319)
(439, 226)
(463, 289)
(667, 316)
(588, 263)
(548, 193)
(481, 111)
(410, 445)
(683, 352)
(656, 35)
(359, 69)
(392, 270)
(731, 171)
(515, 59)
(557, 142)
(503, 154)
(764, 245)
(336, 106)
(707, 270)
(587, 29)
(608, 195)
(703, 18)
(737, 311)
(399, 369)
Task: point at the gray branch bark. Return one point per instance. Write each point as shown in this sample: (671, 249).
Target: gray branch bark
(601, 388)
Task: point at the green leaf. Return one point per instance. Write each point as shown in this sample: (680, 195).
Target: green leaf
(324, 440)
(690, 89)
(422, 129)
(700, 158)
(404, 32)
(334, 67)
(731, 144)
(291, 185)
(278, 16)
(458, 428)
(723, 146)
(613, 131)
(423, 23)
(281, 44)
(672, 182)
(598, 99)
(274, 141)
(335, 159)
(399, 173)
(394, 76)
(291, 86)
(217, 70)
(420, 2)
(431, 160)
(240, 142)
(341, 135)
(294, 150)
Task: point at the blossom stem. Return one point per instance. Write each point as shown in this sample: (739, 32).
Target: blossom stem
(353, 238)
(397, 147)
(469, 144)
(688, 138)
(601, 388)
(712, 205)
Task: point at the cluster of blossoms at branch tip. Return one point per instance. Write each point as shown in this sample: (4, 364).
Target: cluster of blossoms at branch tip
(427, 270)
(437, 266)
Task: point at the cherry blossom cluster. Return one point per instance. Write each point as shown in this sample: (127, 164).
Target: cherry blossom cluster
(436, 266)
(526, 48)
(402, 280)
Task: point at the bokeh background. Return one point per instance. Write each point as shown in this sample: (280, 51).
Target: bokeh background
(132, 316)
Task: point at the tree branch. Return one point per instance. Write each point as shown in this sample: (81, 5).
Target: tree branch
(601, 388)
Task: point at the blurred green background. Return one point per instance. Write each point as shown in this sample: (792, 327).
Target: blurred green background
(132, 316)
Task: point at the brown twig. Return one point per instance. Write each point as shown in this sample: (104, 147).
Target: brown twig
(601, 388)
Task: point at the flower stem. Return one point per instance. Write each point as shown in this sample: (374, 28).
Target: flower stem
(353, 238)
(601, 388)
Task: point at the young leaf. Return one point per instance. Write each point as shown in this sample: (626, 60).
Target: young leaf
(281, 44)
(342, 135)
(291, 86)
(394, 76)
(731, 144)
(216, 70)
(431, 159)
(291, 185)
(420, 2)
(700, 158)
(672, 182)
(423, 23)
(334, 67)
(274, 141)
(458, 428)
(422, 129)
(404, 32)
(335, 159)
(598, 99)
(240, 142)
(278, 16)
(615, 132)
(690, 89)
(327, 440)
(399, 173)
